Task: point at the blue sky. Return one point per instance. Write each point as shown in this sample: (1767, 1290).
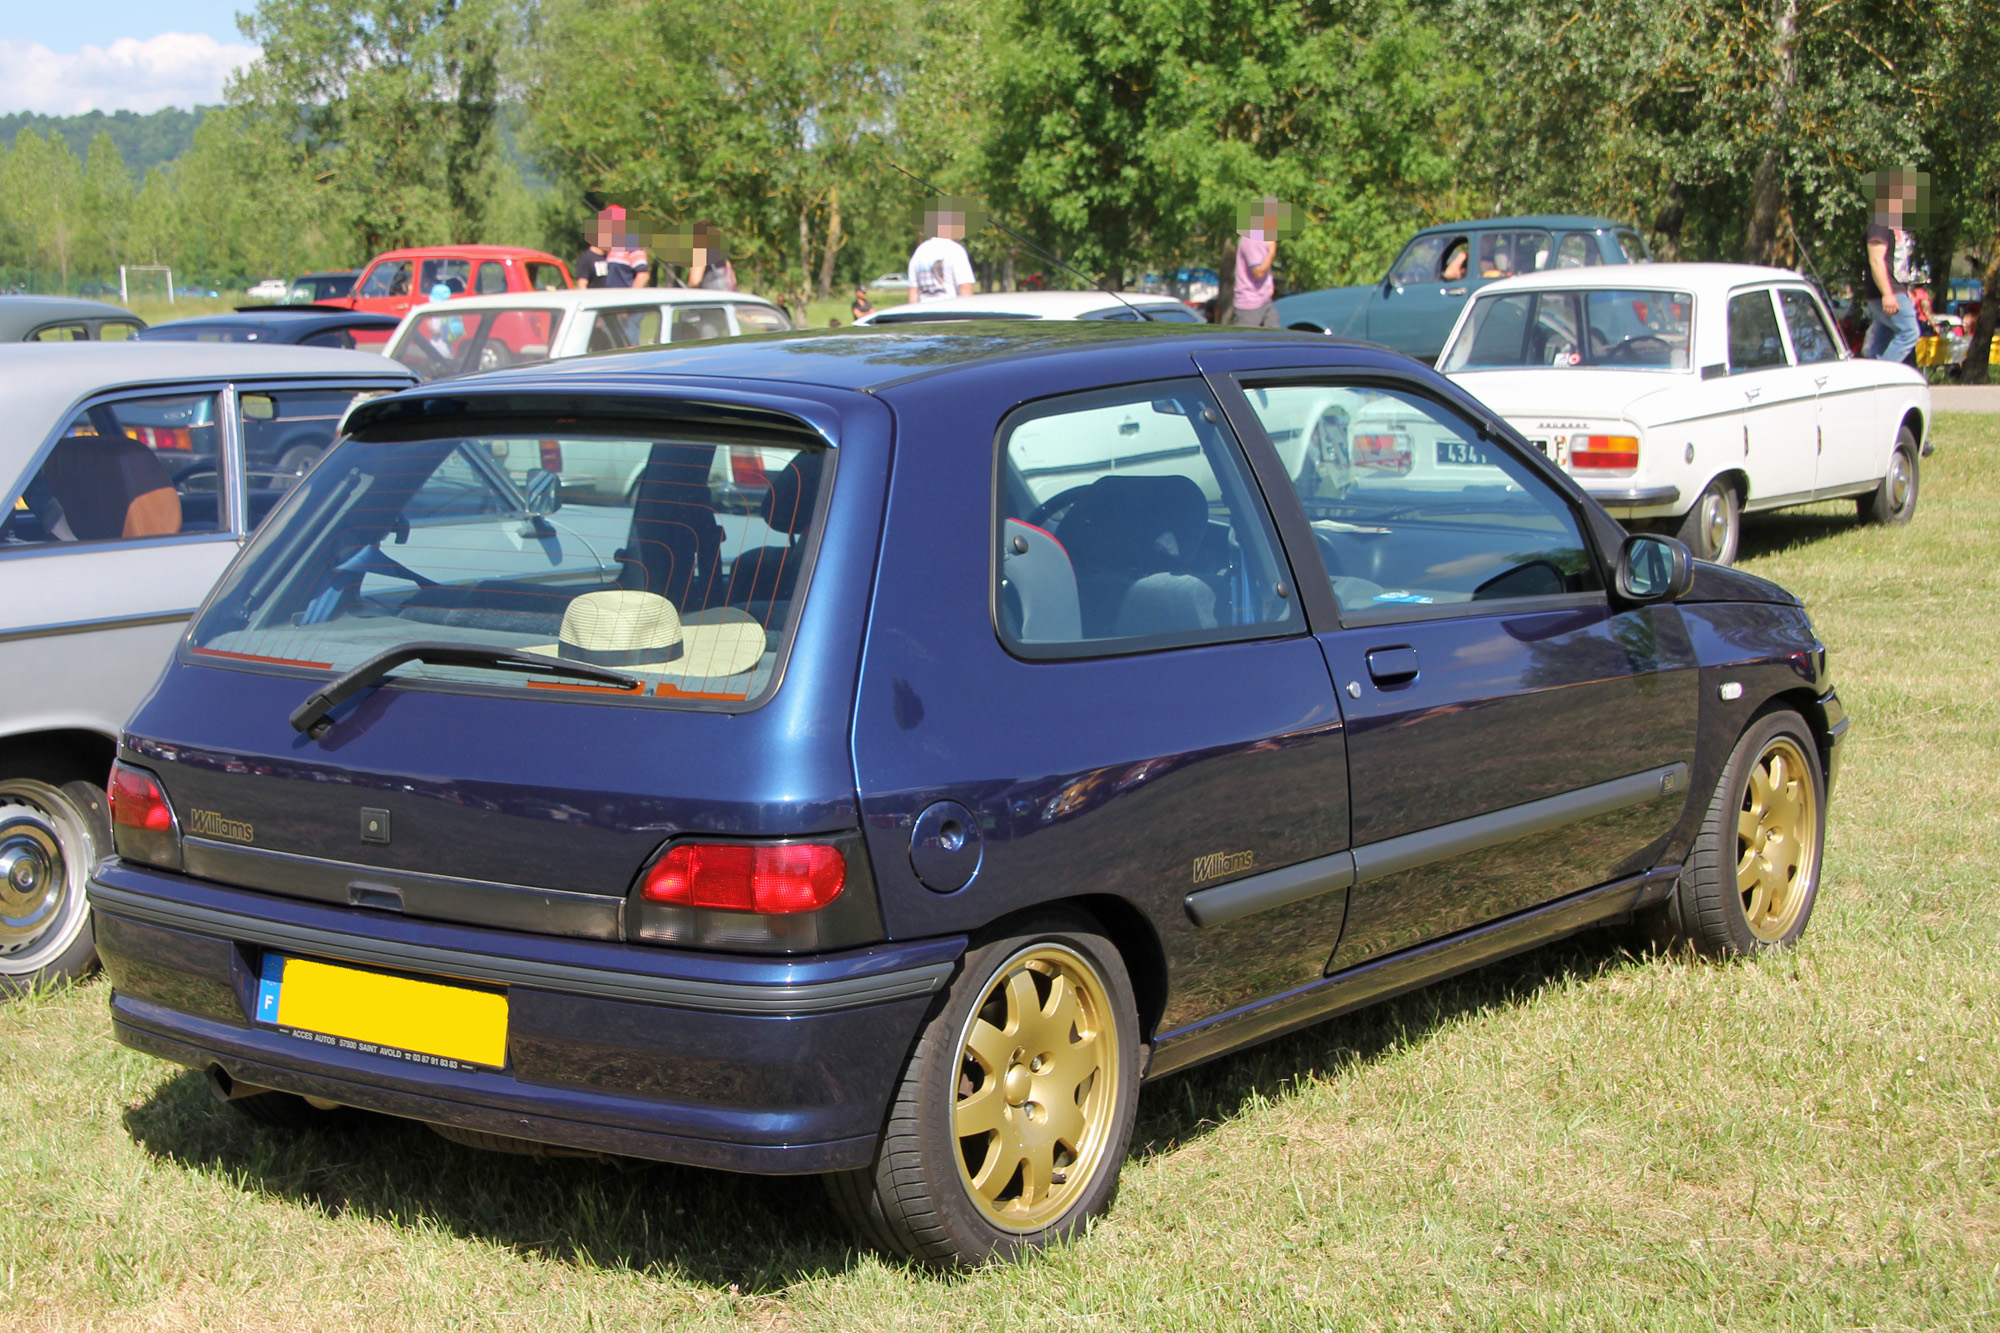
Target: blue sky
(141, 55)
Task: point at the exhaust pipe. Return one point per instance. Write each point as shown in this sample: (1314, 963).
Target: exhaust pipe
(227, 1089)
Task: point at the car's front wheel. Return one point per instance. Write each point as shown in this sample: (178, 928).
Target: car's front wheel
(50, 837)
(1895, 500)
(1714, 527)
(1015, 1110)
(1752, 876)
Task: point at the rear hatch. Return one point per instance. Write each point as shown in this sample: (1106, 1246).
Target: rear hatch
(655, 558)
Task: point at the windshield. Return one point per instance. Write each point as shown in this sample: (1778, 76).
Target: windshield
(459, 342)
(673, 560)
(1619, 329)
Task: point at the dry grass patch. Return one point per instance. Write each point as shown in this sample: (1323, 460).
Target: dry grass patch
(1575, 1139)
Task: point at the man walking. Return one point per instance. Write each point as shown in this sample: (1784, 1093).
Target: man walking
(1256, 252)
(1892, 332)
(939, 267)
(607, 261)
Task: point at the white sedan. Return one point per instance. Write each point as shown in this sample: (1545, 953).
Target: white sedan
(1684, 396)
(473, 333)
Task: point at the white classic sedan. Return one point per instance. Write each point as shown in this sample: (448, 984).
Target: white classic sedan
(1684, 396)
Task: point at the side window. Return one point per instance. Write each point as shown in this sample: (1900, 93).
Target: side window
(1411, 510)
(693, 323)
(61, 333)
(1577, 250)
(1754, 343)
(1419, 263)
(124, 471)
(1633, 246)
(1502, 254)
(284, 433)
(455, 274)
(545, 277)
(1812, 341)
(387, 279)
(612, 329)
(761, 319)
(117, 330)
(1127, 522)
(492, 278)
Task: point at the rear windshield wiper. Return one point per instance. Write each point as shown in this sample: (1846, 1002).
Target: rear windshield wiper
(311, 716)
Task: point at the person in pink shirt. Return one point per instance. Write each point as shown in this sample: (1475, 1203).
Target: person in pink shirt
(1256, 251)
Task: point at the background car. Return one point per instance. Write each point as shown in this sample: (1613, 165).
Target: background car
(52, 319)
(270, 289)
(1683, 396)
(462, 336)
(396, 280)
(123, 472)
(285, 325)
(889, 282)
(1124, 307)
(1045, 740)
(1414, 306)
(313, 288)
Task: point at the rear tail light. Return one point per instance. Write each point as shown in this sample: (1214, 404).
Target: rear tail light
(746, 469)
(770, 879)
(1382, 453)
(143, 827)
(1604, 451)
(551, 455)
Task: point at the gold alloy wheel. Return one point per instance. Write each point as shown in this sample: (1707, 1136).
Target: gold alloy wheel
(1776, 844)
(1038, 1075)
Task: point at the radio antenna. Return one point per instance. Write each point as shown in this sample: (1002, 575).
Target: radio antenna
(1011, 234)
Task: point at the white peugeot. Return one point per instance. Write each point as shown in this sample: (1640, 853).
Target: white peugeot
(1683, 396)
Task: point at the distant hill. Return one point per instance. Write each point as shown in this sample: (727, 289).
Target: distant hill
(144, 142)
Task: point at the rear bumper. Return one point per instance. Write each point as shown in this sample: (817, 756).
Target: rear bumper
(1638, 501)
(774, 1065)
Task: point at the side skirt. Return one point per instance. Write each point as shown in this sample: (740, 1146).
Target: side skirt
(1411, 969)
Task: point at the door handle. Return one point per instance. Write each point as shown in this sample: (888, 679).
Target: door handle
(1820, 383)
(1752, 394)
(1392, 666)
(1451, 291)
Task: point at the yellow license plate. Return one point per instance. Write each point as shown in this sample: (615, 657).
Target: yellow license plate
(387, 1013)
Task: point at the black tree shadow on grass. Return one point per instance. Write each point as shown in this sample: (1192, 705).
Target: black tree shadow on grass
(757, 1234)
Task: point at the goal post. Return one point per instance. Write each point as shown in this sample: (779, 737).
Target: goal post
(124, 286)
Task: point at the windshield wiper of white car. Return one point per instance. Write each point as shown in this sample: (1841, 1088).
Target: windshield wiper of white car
(311, 717)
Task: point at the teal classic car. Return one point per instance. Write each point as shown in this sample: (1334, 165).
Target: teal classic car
(1412, 309)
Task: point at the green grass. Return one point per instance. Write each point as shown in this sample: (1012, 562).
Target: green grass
(1576, 1139)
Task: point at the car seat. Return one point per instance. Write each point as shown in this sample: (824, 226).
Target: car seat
(112, 486)
(1123, 530)
(770, 572)
(675, 544)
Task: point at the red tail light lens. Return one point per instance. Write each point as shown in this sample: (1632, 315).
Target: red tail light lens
(1382, 453)
(1604, 451)
(142, 823)
(137, 801)
(741, 877)
(552, 455)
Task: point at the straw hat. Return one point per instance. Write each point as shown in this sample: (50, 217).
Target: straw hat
(641, 631)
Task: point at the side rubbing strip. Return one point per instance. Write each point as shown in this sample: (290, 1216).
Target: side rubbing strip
(1273, 888)
(1393, 855)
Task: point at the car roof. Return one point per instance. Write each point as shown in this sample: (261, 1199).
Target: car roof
(475, 251)
(589, 298)
(291, 319)
(1545, 221)
(860, 357)
(1029, 305)
(1654, 277)
(41, 381)
(18, 314)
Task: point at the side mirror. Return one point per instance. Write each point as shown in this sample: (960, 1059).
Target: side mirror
(545, 493)
(1652, 568)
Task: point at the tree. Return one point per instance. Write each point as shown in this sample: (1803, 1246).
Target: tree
(41, 183)
(106, 205)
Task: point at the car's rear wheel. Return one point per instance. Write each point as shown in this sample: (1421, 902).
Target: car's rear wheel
(1014, 1113)
(1752, 876)
(1714, 527)
(1895, 500)
(50, 837)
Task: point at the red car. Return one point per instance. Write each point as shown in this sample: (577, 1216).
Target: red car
(395, 280)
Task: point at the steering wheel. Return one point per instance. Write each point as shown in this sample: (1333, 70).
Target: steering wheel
(1622, 352)
(1055, 503)
(182, 475)
(1329, 553)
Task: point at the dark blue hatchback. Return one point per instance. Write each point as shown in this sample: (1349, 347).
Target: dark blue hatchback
(874, 754)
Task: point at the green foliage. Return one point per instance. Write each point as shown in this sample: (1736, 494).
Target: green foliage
(144, 142)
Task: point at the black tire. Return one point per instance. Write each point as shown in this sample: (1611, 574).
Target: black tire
(919, 1197)
(1746, 890)
(1713, 529)
(1895, 500)
(50, 838)
(297, 460)
(283, 1110)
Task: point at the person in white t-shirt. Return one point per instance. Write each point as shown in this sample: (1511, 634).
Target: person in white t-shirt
(939, 267)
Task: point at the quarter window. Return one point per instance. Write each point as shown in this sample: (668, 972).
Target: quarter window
(1502, 254)
(1812, 340)
(492, 278)
(1754, 342)
(61, 333)
(761, 319)
(1577, 250)
(1127, 523)
(693, 323)
(545, 277)
(125, 471)
(1412, 512)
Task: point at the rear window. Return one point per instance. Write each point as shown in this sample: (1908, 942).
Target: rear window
(460, 342)
(1612, 329)
(674, 561)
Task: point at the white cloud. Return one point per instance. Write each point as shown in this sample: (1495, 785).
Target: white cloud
(174, 69)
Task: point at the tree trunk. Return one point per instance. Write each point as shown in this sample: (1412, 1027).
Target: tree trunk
(802, 294)
(1977, 355)
(1668, 221)
(1007, 272)
(1767, 187)
(834, 240)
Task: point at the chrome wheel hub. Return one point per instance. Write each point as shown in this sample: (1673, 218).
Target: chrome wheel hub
(34, 878)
